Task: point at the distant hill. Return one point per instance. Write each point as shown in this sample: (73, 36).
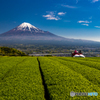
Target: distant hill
(5, 51)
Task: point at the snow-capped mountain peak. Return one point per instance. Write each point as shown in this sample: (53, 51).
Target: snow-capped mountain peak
(26, 26)
(26, 31)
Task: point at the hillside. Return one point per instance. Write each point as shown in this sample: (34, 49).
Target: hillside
(26, 31)
(49, 78)
(5, 51)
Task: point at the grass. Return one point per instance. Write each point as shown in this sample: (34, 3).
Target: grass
(6, 64)
(23, 82)
(61, 80)
(20, 78)
(91, 74)
(90, 63)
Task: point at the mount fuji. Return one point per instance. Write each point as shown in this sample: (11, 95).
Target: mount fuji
(26, 30)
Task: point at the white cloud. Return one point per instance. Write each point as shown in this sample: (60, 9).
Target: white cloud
(93, 1)
(51, 16)
(81, 21)
(86, 24)
(61, 13)
(68, 6)
(97, 26)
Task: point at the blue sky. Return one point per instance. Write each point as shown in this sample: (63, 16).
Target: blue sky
(79, 19)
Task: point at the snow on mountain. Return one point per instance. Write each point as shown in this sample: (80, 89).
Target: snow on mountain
(26, 31)
(27, 27)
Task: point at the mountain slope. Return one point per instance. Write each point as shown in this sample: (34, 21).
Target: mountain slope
(26, 29)
(27, 32)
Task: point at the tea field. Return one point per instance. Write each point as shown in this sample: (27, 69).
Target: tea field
(48, 78)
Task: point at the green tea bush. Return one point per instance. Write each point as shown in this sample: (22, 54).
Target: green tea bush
(89, 73)
(23, 82)
(83, 62)
(61, 80)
